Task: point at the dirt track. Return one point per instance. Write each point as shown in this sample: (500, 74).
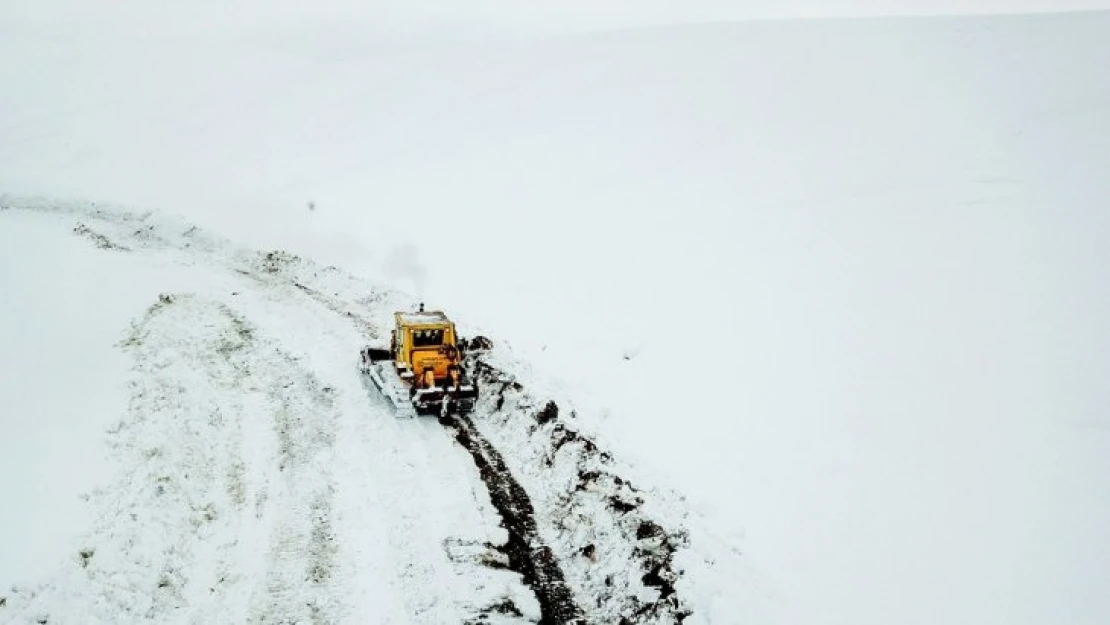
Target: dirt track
(525, 550)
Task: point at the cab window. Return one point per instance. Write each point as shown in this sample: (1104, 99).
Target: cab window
(427, 338)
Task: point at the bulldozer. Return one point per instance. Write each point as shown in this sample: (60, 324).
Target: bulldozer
(421, 373)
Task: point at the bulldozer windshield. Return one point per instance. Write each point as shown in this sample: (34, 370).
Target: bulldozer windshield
(427, 338)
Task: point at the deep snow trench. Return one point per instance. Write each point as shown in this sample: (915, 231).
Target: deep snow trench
(259, 480)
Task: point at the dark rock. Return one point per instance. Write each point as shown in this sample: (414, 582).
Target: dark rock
(479, 343)
(549, 413)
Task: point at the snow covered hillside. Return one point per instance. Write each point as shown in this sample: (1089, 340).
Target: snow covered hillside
(256, 478)
(841, 284)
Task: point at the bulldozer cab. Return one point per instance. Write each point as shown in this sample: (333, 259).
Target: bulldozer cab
(424, 346)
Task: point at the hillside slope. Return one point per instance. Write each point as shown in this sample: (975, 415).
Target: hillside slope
(884, 240)
(258, 478)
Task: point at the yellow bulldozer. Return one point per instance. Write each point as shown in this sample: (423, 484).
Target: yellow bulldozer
(422, 371)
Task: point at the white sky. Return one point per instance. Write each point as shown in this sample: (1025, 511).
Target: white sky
(217, 16)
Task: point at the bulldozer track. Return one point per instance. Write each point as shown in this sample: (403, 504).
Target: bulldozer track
(526, 552)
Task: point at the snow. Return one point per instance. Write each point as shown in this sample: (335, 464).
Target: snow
(898, 226)
(62, 385)
(256, 478)
(420, 318)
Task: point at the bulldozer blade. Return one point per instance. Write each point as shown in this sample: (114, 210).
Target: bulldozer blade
(437, 401)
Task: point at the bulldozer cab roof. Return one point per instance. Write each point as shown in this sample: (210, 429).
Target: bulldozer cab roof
(427, 318)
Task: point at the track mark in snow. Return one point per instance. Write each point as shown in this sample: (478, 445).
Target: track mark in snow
(525, 550)
(617, 544)
(98, 239)
(302, 543)
(283, 264)
(200, 517)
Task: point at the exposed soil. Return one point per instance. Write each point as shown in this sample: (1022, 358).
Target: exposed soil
(526, 552)
(654, 546)
(98, 239)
